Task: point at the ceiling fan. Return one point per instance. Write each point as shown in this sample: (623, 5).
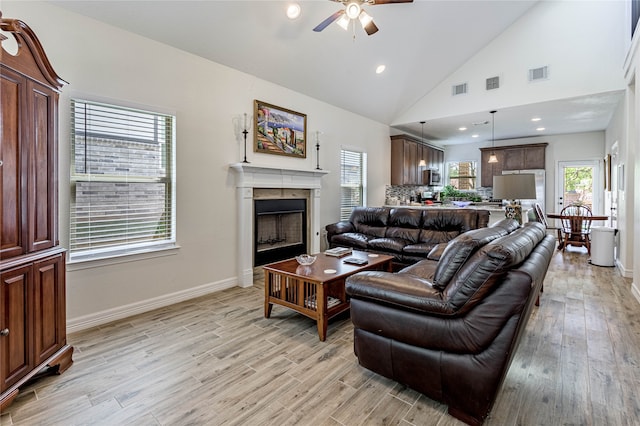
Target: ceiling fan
(352, 11)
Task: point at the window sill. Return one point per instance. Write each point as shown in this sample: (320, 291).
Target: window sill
(87, 262)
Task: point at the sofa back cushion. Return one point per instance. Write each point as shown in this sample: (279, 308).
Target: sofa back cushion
(370, 220)
(477, 277)
(460, 249)
(404, 224)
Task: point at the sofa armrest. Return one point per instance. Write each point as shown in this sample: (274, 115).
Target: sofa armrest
(338, 228)
(403, 290)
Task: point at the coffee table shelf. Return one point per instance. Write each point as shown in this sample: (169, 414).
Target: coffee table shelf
(316, 291)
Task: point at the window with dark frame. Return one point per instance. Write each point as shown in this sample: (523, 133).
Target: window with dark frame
(122, 181)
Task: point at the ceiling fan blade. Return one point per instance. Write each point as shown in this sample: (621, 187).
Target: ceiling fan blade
(371, 28)
(324, 24)
(390, 1)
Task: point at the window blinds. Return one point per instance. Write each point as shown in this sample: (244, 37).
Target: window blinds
(352, 181)
(122, 189)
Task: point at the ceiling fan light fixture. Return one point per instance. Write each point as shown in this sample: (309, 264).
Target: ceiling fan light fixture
(365, 18)
(353, 10)
(293, 11)
(344, 22)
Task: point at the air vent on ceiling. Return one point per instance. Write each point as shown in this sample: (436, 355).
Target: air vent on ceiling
(536, 74)
(459, 89)
(493, 83)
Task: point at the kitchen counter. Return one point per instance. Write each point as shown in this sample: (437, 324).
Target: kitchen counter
(492, 207)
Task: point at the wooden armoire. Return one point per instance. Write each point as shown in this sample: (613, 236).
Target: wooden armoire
(32, 264)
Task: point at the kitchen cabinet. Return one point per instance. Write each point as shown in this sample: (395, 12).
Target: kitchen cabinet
(512, 157)
(406, 153)
(32, 264)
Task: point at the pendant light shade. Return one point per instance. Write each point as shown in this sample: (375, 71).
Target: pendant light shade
(492, 157)
(422, 162)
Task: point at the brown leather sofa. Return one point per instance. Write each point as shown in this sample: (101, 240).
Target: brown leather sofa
(449, 328)
(407, 234)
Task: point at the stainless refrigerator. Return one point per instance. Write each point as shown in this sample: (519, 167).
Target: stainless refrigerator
(540, 188)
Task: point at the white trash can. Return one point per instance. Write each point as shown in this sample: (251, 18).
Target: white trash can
(602, 245)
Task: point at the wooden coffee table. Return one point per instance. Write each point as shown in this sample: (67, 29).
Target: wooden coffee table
(316, 291)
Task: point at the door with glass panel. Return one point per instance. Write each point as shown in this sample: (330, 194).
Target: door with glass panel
(579, 182)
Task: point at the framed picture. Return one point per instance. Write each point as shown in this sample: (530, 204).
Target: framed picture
(279, 131)
(607, 172)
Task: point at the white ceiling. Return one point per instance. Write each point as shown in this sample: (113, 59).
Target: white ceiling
(421, 43)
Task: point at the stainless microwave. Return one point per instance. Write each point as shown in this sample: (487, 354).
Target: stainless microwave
(432, 177)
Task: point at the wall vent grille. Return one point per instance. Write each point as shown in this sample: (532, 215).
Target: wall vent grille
(541, 73)
(493, 83)
(459, 89)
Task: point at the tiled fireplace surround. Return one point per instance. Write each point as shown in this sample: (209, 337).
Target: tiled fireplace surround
(250, 177)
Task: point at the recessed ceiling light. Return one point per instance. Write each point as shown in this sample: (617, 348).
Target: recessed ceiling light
(293, 11)
(540, 129)
(380, 69)
(475, 135)
(462, 129)
(536, 119)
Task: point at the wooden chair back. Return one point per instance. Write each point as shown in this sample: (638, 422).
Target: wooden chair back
(577, 219)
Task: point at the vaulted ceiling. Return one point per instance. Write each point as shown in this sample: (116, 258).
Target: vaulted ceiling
(420, 43)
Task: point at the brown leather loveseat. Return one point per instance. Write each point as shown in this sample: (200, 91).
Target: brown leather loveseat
(407, 234)
(449, 328)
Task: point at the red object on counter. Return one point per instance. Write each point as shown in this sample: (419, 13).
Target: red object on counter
(428, 202)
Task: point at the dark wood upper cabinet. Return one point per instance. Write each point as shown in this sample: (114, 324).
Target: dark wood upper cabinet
(513, 157)
(406, 153)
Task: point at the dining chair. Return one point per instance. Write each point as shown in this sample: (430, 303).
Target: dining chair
(576, 226)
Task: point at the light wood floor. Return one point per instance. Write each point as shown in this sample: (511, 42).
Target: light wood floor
(216, 360)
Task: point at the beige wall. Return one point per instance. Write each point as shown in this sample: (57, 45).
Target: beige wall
(105, 63)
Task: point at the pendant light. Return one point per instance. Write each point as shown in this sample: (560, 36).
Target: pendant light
(492, 157)
(422, 163)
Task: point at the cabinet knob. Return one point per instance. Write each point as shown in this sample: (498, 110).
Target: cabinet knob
(4, 332)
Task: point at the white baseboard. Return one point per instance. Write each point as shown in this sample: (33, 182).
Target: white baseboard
(627, 273)
(92, 320)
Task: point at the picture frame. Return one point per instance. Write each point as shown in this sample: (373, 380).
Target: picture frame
(279, 130)
(607, 172)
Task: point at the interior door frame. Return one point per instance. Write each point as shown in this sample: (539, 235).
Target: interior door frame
(597, 182)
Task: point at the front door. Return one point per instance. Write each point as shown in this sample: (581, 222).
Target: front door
(579, 182)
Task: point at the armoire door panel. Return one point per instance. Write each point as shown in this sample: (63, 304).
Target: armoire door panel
(14, 322)
(12, 203)
(49, 302)
(42, 195)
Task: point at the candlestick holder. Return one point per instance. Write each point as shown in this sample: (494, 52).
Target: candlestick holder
(245, 132)
(318, 151)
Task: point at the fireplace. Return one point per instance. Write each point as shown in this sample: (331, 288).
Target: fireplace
(280, 229)
(255, 182)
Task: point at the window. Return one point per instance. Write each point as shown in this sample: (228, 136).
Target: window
(122, 181)
(462, 175)
(353, 181)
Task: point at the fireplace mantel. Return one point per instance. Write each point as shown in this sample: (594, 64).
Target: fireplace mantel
(250, 176)
(253, 176)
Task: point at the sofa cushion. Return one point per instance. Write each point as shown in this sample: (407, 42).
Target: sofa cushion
(420, 249)
(394, 245)
(459, 220)
(456, 253)
(371, 221)
(489, 264)
(437, 236)
(351, 239)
